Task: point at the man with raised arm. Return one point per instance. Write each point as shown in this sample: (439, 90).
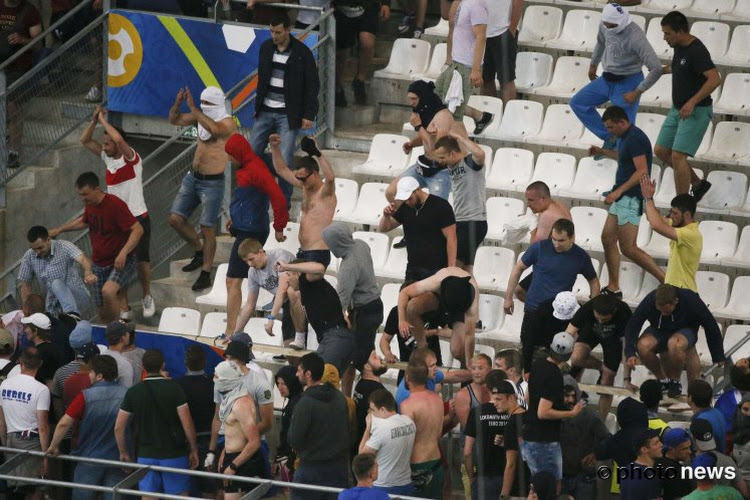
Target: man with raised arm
(204, 183)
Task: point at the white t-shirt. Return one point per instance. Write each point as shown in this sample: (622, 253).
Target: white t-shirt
(125, 376)
(21, 397)
(125, 180)
(268, 277)
(498, 21)
(393, 438)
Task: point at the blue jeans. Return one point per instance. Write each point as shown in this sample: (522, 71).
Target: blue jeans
(580, 486)
(71, 299)
(193, 192)
(331, 474)
(95, 475)
(267, 123)
(439, 184)
(543, 456)
(599, 91)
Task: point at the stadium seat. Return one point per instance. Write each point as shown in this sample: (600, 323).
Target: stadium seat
(714, 35)
(571, 74)
(712, 9)
(728, 192)
(589, 222)
(370, 205)
(489, 104)
(437, 61)
(386, 157)
(701, 346)
(346, 196)
(713, 288)
(740, 12)
(500, 211)
(541, 23)
(579, 31)
(738, 52)
(741, 257)
(706, 141)
(291, 244)
(730, 143)
(666, 189)
(488, 157)
(651, 124)
(592, 179)
(378, 243)
(649, 285)
(734, 335)
(389, 296)
(445, 352)
(631, 277)
(395, 266)
(533, 70)
(588, 138)
(492, 267)
(581, 287)
(510, 330)
(644, 232)
(409, 56)
(556, 169)
(180, 320)
(214, 324)
(440, 29)
(659, 95)
(490, 313)
(735, 95)
(658, 246)
(484, 349)
(512, 169)
(655, 37)
(664, 6)
(256, 328)
(738, 307)
(719, 240)
(560, 127)
(217, 296)
(521, 119)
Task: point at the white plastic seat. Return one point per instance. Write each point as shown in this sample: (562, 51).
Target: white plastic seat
(389, 297)
(437, 61)
(492, 267)
(521, 119)
(386, 157)
(706, 141)
(659, 95)
(664, 6)
(533, 70)
(589, 222)
(651, 124)
(734, 335)
(712, 9)
(484, 349)
(738, 307)
(655, 37)
(256, 328)
(581, 286)
(487, 104)
(650, 283)
(346, 196)
(735, 95)
(713, 288)
(658, 246)
(488, 157)
(579, 31)
(490, 312)
(588, 138)
(571, 74)
(741, 257)
(740, 12)
(214, 324)
(701, 346)
(541, 23)
(511, 169)
(738, 52)
(395, 265)
(631, 277)
(555, 169)
(666, 188)
(560, 127)
(727, 192)
(644, 232)
(500, 211)
(440, 29)
(510, 331)
(180, 320)
(719, 240)
(378, 243)
(714, 35)
(592, 179)
(409, 56)
(369, 204)
(730, 143)
(217, 296)
(291, 231)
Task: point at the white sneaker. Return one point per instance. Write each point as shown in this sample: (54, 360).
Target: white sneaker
(126, 315)
(149, 308)
(94, 95)
(298, 345)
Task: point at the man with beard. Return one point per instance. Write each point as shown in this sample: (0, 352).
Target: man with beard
(368, 383)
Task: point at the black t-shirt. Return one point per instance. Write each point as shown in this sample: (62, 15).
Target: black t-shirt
(587, 324)
(688, 65)
(199, 390)
(483, 424)
(322, 305)
(677, 487)
(545, 381)
(407, 346)
(425, 243)
(511, 435)
(361, 397)
(52, 359)
(60, 335)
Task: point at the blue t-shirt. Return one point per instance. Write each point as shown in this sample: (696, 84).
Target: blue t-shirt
(402, 392)
(716, 419)
(362, 493)
(634, 142)
(554, 272)
(636, 487)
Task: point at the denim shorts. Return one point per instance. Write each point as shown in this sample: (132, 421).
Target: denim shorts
(685, 134)
(628, 210)
(194, 192)
(543, 456)
(166, 482)
(109, 273)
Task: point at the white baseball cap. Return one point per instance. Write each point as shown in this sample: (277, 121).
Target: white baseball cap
(565, 306)
(562, 343)
(405, 187)
(39, 320)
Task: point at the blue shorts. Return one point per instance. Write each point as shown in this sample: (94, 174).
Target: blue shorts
(628, 210)
(319, 256)
(193, 192)
(663, 337)
(237, 267)
(543, 456)
(165, 482)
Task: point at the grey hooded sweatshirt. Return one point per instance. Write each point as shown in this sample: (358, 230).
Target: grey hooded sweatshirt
(625, 52)
(357, 286)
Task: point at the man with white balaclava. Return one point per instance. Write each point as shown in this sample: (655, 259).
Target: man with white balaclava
(204, 183)
(622, 48)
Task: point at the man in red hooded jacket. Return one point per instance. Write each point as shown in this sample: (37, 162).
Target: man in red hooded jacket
(248, 212)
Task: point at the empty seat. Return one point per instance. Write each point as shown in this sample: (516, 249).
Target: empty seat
(713, 288)
(581, 286)
(728, 192)
(579, 31)
(492, 267)
(714, 35)
(510, 330)
(437, 61)
(644, 232)
(256, 328)
(649, 285)
(484, 349)
(488, 157)
(217, 296)
(386, 157)
(555, 169)
(712, 9)
(592, 179)
(651, 124)
(735, 95)
(490, 312)
(389, 296)
(706, 142)
(719, 240)
(487, 104)
(511, 169)
(659, 95)
(666, 188)
(730, 143)
(378, 243)
(738, 307)
(738, 52)
(631, 277)
(664, 6)
(589, 222)
(409, 56)
(521, 119)
(588, 138)
(733, 336)
(214, 324)
(560, 127)
(533, 70)
(346, 196)
(740, 12)
(181, 320)
(440, 29)
(571, 74)
(656, 38)
(741, 257)
(395, 265)
(500, 211)
(658, 246)
(370, 205)
(541, 23)
(291, 231)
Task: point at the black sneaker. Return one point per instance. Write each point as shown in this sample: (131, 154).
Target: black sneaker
(664, 386)
(360, 96)
(607, 291)
(203, 281)
(675, 389)
(483, 122)
(340, 98)
(401, 243)
(701, 189)
(194, 264)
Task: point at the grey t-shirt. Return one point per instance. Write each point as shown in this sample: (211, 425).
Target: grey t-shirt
(268, 277)
(124, 368)
(135, 356)
(468, 183)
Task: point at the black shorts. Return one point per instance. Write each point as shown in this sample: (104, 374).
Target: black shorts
(500, 58)
(251, 468)
(349, 28)
(526, 282)
(612, 347)
(237, 267)
(287, 326)
(142, 253)
(319, 256)
(469, 234)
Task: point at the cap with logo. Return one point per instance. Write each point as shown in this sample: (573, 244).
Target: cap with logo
(703, 434)
(87, 351)
(562, 344)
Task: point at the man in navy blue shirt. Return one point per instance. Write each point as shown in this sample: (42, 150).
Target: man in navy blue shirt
(641, 482)
(625, 200)
(557, 262)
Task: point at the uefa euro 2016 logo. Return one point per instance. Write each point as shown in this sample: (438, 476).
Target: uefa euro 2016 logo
(125, 51)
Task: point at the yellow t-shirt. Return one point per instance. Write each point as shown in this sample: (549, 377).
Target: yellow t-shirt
(684, 257)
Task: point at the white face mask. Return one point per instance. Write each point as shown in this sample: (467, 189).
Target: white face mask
(215, 111)
(615, 14)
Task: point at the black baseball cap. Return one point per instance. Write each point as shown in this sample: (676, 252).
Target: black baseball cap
(238, 350)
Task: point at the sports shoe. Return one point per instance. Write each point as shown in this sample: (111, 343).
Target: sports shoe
(675, 389)
(607, 291)
(406, 23)
(701, 189)
(609, 143)
(294, 344)
(401, 243)
(94, 94)
(340, 98)
(149, 308)
(360, 96)
(203, 281)
(418, 32)
(13, 161)
(664, 386)
(485, 120)
(194, 264)
(126, 314)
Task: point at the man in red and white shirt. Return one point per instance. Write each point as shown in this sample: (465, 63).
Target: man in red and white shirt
(125, 180)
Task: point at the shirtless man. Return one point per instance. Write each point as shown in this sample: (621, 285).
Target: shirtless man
(539, 200)
(205, 182)
(452, 290)
(241, 455)
(425, 408)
